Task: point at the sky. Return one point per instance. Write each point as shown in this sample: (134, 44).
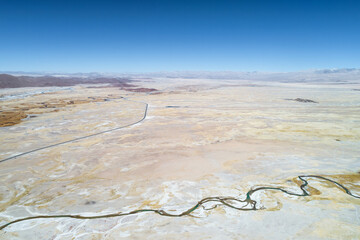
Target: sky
(158, 35)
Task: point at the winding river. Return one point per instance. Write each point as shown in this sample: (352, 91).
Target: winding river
(249, 203)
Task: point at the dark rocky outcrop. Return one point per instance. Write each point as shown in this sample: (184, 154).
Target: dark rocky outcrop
(302, 100)
(146, 90)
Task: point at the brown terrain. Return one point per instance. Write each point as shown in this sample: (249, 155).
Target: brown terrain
(21, 111)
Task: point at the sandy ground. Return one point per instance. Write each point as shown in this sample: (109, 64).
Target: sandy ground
(200, 138)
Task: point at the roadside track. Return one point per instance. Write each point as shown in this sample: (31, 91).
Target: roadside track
(80, 138)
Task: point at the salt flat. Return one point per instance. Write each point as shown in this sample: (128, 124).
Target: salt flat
(200, 138)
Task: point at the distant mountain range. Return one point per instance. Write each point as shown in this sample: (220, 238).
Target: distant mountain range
(46, 79)
(11, 81)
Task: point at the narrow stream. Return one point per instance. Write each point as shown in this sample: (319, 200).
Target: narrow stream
(249, 203)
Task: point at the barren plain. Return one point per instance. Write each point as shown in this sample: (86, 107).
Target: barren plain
(192, 148)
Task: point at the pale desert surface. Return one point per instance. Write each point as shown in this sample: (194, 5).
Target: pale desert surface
(200, 138)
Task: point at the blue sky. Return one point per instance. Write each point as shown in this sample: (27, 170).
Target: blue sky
(153, 35)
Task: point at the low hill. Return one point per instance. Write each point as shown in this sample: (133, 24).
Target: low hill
(9, 81)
